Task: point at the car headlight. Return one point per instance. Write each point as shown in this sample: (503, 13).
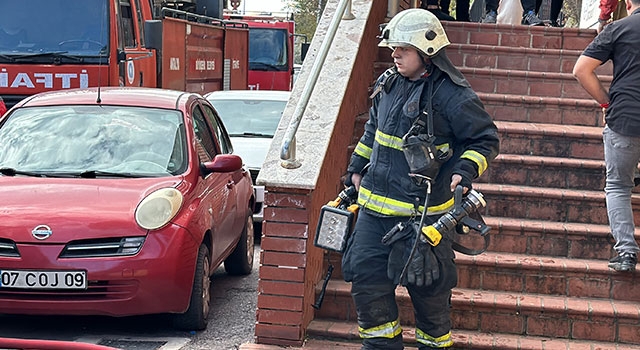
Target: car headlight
(158, 208)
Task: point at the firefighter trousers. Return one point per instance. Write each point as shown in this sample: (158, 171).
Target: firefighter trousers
(364, 264)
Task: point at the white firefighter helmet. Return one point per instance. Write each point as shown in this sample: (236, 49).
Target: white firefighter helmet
(415, 27)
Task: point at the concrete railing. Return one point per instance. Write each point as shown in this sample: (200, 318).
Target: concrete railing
(288, 151)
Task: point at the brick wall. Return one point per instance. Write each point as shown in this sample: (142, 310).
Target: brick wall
(291, 266)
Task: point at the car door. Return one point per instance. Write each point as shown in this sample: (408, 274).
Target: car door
(217, 190)
(238, 207)
(139, 64)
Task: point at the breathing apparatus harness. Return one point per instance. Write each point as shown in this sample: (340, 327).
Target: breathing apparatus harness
(424, 160)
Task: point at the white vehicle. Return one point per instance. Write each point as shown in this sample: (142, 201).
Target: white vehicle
(251, 118)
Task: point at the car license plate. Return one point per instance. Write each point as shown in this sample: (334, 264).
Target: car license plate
(43, 279)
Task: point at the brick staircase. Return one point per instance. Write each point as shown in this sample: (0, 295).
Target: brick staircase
(544, 281)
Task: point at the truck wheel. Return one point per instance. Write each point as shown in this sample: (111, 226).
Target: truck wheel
(196, 316)
(240, 262)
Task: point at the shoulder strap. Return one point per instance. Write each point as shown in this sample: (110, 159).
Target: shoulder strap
(383, 80)
(425, 119)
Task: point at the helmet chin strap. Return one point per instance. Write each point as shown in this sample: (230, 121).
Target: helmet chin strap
(428, 67)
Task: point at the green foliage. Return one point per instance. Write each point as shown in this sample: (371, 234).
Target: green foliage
(306, 15)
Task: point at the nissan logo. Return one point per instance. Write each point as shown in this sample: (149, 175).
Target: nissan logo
(41, 232)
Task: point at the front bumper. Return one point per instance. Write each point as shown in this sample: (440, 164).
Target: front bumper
(158, 279)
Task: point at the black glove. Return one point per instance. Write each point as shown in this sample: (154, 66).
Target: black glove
(400, 238)
(422, 269)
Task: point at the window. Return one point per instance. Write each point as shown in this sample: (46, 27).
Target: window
(268, 49)
(140, 23)
(205, 143)
(128, 31)
(218, 128)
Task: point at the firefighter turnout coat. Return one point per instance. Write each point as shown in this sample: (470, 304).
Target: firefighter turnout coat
(464, 133)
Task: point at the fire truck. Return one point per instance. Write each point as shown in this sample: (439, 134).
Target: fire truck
(175, 44)
(271, 50)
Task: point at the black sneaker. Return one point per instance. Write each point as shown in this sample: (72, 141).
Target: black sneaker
(624, 262)
(530, 18)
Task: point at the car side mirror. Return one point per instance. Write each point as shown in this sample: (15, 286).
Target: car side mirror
(153, 34)
(304, 50)
(222, 163)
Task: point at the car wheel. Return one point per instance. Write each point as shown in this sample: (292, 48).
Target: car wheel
(240, 262)
(196, 316)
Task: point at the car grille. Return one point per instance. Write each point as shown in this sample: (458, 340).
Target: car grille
(8, 248)
(96, 290)
(91, 248)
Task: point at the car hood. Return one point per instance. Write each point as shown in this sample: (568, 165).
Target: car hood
(253, 150)
(73, 209)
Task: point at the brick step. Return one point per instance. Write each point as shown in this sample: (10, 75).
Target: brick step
(551, 140)
(527, 273)
(518, 35)
(537, 171)
(570, 277)
(519, 82)
(344, 335)
(517, 58)
(544, 239)
(507, 58)
(552, 204)
(546, 110)
(583, 319)
(549, 239)
(527, 83)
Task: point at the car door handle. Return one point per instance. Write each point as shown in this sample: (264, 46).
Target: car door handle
(230, 184)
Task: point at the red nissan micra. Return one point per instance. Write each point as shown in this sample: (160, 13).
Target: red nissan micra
(119, 201)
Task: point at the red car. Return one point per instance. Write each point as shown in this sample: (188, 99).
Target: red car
(119, 201)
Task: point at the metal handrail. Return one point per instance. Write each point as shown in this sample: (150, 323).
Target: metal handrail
(288, 150)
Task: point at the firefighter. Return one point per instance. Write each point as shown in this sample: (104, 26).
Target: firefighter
(392, 195)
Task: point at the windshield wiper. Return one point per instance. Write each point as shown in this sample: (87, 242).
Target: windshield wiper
(92, 174)
(54, 54)
(265, 66)
(250, 134)
(13, 172)
(6, 57)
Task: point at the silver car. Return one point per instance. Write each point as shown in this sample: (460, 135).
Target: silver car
(251, 118)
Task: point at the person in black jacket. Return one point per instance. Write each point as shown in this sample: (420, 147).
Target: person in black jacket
(618, 42)
(464, 141)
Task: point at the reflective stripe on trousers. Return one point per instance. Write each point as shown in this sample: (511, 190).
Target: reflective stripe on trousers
(434, 342)
(387, 330)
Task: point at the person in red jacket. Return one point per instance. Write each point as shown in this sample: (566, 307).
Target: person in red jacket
(608, 12)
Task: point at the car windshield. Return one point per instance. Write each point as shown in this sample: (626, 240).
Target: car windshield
(93, 141)
(250, 117)
(72, 27)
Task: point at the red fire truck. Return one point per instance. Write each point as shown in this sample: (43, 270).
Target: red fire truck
(271, 43)
(176, 44)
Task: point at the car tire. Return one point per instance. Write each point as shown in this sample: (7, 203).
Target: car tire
(196, 316)
(240, 262)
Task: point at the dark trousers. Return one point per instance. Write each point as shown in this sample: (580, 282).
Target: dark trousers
(462, 9)
(534, 5)
(364, 264)
(491, 5)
